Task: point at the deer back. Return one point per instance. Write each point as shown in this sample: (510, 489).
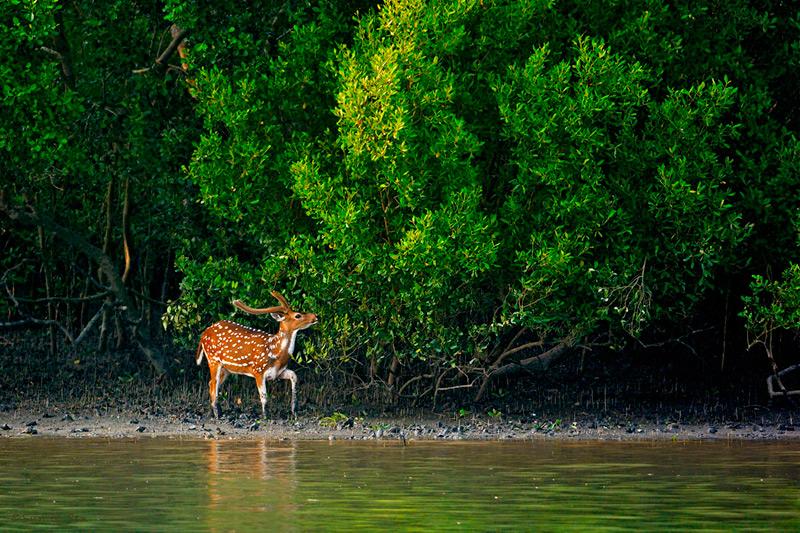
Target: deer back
(242, 349)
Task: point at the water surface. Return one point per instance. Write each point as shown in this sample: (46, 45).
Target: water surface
(181, 485)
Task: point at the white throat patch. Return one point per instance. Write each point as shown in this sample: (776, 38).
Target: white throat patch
(290, 341)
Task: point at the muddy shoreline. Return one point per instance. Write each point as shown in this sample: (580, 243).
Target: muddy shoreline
(60, 421)
(606, 397)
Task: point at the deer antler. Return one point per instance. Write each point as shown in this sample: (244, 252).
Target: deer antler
(278, 296)
(247, 309)
(284, 307)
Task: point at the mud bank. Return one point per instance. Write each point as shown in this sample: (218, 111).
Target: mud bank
(57, 421)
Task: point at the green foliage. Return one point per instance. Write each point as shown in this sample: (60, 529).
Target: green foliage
(81, 134)
(618, 209)
(430, 177)
(35, 109)
(773, 304)
(333, 420)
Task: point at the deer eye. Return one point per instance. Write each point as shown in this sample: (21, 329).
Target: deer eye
(298, 315)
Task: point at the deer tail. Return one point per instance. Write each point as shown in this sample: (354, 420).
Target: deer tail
(200, 353)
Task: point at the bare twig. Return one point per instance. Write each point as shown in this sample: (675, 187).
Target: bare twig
(413, 380)
(30, 321)
(178, 35)
(464, 386)
(64, 299)
(88, 327)
(677, 340)
(146, 298)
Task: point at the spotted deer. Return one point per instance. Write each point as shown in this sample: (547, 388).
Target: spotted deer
(231, 348)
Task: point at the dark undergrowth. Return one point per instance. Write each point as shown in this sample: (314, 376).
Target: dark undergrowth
(685, 388)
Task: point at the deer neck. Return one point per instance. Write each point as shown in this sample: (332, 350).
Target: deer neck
(287, 339)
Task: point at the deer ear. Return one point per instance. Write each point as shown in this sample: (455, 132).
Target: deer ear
(278, 316)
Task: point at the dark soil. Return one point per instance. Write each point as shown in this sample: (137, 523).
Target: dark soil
(607, 397)
(184, 414)
(57, 421)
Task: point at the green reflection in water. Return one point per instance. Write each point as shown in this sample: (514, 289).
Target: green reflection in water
(179, 485)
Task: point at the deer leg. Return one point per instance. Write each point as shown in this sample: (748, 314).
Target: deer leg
(291, 376)
(218, 376)
(222, 374)
(261, 383)
(212, 388)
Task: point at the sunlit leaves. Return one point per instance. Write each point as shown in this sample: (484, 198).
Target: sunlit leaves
(434, 174)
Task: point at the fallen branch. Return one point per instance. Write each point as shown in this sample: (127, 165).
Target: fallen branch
(776, 378)
(542, 360)
(30, 321)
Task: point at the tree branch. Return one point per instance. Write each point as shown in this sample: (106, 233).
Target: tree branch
(178, 35)
(88, 327)
(543, 360)
(28, 216)
(527, 345)
(412, 380)
(64, 299)
(30, 321)
(126, 210)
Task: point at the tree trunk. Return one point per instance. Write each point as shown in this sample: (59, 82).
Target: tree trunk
(61, 46)
(47, 283)
(105, 328)
(395, 366)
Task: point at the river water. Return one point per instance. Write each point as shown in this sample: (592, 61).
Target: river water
(215, 485)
